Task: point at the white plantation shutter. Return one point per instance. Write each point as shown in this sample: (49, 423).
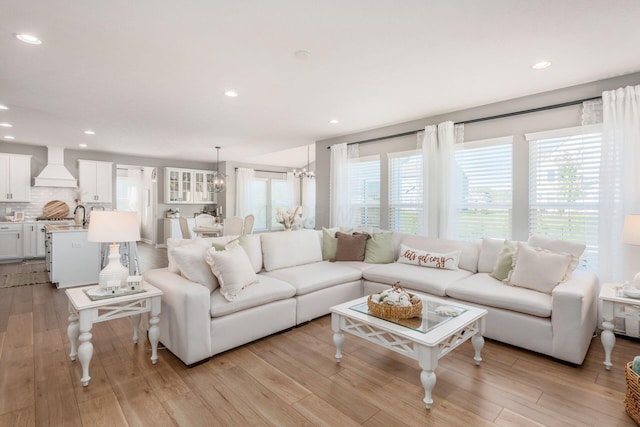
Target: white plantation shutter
(483, 189)
(405, 192)
(364, 191)
(564, 175)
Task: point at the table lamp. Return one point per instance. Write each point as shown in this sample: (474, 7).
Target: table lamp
(113, 227)
(631, 236)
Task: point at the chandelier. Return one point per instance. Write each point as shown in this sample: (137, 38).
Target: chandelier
(304, 172)
(219, 179)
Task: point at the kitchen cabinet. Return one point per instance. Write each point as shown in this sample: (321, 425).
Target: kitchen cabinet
(11, 241)
(71, 259)
(15, 178)
(33, 240)
(188, 186)
(96, 181)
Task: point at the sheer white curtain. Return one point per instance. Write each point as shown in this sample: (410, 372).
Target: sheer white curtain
(437, 160)
(619, 176)
(339, 183)
(308, 202)
(244, 202)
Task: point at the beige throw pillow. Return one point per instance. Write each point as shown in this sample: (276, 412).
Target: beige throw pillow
(329, 243)
(504, 262)
(189, 260)
(448, 261)
(351, 247)
(232, 268)
(539, 269)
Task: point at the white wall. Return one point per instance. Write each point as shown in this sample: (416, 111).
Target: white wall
(516, 126)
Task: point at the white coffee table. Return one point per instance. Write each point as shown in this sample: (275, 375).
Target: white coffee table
(425, 340)
(83, 313)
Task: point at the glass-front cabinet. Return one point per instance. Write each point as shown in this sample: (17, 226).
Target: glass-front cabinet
(188, 186)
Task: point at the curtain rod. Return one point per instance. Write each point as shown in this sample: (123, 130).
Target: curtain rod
(483, 119)
(264, 170)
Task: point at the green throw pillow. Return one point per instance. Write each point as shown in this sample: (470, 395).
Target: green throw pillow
(329, 243)
(379, 249)
(504, 262)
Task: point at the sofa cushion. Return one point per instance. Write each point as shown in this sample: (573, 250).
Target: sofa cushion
(290, 248)
(539, 269)
(468, 258)
(351, 247)
(190, 260)
(265, 290)
(489, 251)
(320, 275)
(379, 249)
(556, 245)
(430, 280)
(252, 246)
(232, 268)
(173, 243)
(485, 290)
(448, 261)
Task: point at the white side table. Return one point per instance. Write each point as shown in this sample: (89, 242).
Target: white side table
(620, 314)
(83, 313)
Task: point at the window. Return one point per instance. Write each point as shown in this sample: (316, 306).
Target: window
(364, 191)
(268, 194)
(564, 175)
(483, 191)
(405, 192)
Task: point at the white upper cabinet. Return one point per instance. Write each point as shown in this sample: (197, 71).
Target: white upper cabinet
(188, 186)
(15, 178)
(96, 181)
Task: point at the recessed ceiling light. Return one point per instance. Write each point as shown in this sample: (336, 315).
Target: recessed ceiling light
(334, 121)
(89, 132)
(6, 125)
(9, 137)
(302, 55)
(231, 93)
(82, 145)
(540, 65)
(3, 107)
(28, 38)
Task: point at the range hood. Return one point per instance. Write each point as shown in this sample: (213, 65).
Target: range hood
(54, 173)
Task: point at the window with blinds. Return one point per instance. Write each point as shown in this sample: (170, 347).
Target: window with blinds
(364, 191)
(405, 192)
(483, 189)
(564, 175)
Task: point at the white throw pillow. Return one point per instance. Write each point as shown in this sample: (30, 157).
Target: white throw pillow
(448, 261)
(539, 269)
(556, 245)
(189, 259)
(232, 268)
(172, 244)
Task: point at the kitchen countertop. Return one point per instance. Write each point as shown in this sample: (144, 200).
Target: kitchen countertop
(54, 228)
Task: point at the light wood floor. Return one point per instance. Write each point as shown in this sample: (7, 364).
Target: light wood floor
(288, 379)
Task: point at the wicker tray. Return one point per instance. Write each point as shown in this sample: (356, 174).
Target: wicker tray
(395, 312)
(632, 398)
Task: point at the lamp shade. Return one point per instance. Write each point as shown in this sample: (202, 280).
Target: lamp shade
(631, 230)
(113, 226)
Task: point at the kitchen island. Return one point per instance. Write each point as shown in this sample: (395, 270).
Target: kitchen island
(71, 259)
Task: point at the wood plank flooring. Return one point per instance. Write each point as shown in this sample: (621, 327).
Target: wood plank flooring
(288, 379)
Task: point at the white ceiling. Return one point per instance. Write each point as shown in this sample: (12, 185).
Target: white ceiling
(149, 75)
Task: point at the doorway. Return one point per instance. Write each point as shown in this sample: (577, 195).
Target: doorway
(136, 190)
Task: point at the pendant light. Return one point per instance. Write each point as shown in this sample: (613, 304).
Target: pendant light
(219, 179)
(305, 172)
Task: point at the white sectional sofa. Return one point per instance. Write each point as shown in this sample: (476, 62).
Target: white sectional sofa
(294, 285)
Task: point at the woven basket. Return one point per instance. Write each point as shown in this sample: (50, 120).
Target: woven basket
(632, 398)
(395, 312)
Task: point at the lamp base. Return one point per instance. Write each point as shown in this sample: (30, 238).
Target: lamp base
(114, 272)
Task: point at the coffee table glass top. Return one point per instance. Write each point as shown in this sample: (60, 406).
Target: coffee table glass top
(434, 314)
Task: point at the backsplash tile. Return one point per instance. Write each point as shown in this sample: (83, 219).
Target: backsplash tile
(40, 196)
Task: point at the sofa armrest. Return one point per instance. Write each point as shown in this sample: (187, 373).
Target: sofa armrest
(574, 316)
(185, 319)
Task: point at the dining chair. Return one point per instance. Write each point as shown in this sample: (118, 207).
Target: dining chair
(248, 224)
(184, 228)
(232, 226)
(205, 220)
